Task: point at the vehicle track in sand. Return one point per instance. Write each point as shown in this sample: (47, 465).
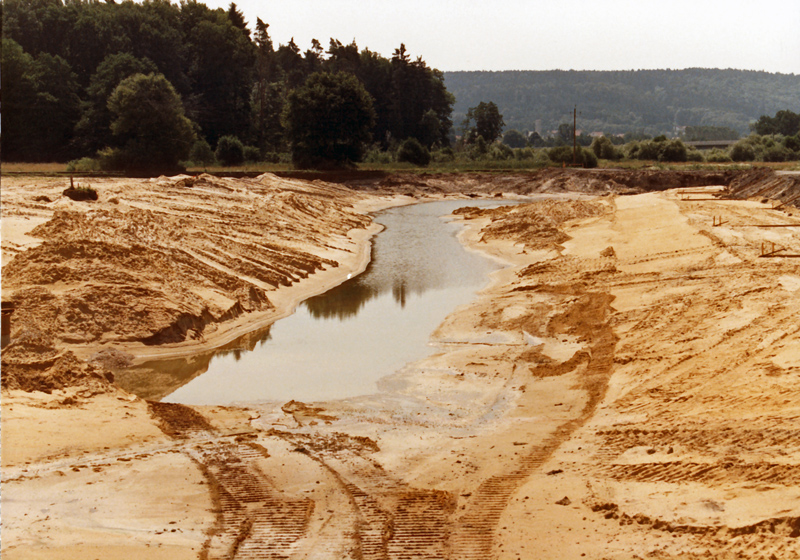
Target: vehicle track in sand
(474, 532)
(391, 520)
(254, 521)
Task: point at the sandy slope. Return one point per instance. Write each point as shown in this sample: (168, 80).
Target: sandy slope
(173, 264)
(626, 389)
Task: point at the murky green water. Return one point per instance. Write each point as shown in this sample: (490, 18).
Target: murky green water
(339, 344)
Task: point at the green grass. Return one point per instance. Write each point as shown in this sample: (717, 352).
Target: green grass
(34, 168)
(257, 167)
(458, 166)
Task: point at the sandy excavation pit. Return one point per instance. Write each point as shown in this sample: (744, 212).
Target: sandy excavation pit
(626, 388)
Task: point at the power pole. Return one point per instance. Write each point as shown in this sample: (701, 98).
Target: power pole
(574, 137)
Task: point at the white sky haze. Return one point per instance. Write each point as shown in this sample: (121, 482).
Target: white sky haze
(549, 34)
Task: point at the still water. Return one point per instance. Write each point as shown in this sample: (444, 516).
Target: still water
(341, 343)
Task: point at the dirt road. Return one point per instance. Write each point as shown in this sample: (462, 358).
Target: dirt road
(626, 388)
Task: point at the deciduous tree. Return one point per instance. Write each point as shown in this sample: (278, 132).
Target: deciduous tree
(784, 122)
(328, 120)
(149, 124)
(93, 131)
(514, 139)
(483, 120)
(40, 104)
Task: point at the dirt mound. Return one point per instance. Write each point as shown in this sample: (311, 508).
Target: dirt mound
(535, 225)
(80, 193)
(173, 258)
(31, 363)
(112, 358)
(762, 183)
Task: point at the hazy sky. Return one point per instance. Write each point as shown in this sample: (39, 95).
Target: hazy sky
(549, 34)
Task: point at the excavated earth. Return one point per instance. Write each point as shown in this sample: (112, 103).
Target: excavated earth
(627, 387)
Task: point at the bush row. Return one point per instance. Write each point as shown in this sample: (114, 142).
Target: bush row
(231, 151)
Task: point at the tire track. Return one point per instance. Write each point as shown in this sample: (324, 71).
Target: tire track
(394, 521)
(708, 473)
(473, 534)
(254, 521)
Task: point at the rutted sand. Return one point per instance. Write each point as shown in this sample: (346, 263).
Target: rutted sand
(626, 388)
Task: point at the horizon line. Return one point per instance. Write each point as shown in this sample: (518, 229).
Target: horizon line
(634, 70)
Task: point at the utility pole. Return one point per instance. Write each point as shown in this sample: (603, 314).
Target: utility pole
(574, 137)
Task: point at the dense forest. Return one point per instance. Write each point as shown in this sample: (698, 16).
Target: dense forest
(129, 85)
(211, 74)
(651, 102)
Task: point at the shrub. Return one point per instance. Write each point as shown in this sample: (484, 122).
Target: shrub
(777, 153)
(251, 154)
(501, 152)
(792, 143)
(603, 148)
(672, 150)
(376, 155)
(277, 157)
(443, 155)
(412, 151)
(631, 149)
(742, 151)
(540, 157)
(693, 154)
(514, 139)
(83, 165)
(648, 150)
(201, 152)
(523, 153)
(111, 159)
(589, 159)
(230, 151)
(478, 148)
(563, 155)
(718, 156)
(80, 193)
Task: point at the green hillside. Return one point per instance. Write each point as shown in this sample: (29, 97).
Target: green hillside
(616, 102)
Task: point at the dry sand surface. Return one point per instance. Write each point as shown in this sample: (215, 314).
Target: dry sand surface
(626, 388)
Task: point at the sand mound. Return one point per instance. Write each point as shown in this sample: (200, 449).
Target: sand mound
(31, 363)
(173, 258)
(534, 225)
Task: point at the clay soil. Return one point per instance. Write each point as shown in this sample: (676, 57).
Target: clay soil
(627, 387)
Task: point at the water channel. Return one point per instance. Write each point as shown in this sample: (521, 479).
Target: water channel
(339, 344)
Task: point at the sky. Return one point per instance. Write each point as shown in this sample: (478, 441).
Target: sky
(548, 34)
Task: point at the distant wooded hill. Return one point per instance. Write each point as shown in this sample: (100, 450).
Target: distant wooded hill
(616, 102)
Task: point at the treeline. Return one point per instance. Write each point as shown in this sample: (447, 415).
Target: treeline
(64, 61)
(775, 139)
(651, 102)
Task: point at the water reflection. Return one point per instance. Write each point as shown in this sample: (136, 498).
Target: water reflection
(155, 379)
(342, 302)
(339, 344)
(409, 258)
